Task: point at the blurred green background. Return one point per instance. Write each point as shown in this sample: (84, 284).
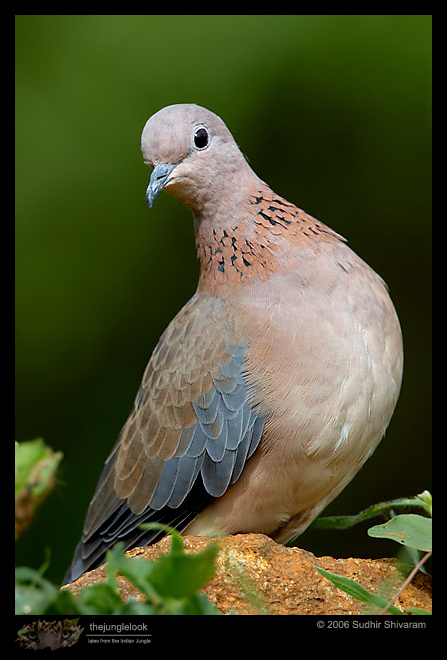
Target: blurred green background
(333, 111)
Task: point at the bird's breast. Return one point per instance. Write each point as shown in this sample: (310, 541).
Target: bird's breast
(324, 356)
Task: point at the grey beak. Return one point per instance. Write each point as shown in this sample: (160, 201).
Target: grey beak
(159, 178)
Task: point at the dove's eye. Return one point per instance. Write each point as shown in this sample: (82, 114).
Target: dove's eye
(201, 138)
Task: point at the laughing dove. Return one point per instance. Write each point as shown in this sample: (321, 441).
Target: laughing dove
(275, 382)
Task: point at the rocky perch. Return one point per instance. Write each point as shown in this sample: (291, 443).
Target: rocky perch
(255, 575)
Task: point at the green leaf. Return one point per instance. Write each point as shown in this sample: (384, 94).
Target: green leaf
(179, 575)
(408, 529)
(99, 599)
(175, 575)
(137, 570)
(134, 606)
(426, 497)
(199, 604)
(35, 468)
(358, 592)
(33, 593)
(35, 464)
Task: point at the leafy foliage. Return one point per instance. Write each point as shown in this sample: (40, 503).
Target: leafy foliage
(169, 585)
(412, 530)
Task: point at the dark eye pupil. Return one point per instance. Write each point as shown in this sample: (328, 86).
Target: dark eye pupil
(201, 138)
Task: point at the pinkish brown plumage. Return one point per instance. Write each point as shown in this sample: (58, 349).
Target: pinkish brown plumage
(275, 382)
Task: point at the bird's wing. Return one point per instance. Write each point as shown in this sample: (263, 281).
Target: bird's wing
(187, 439)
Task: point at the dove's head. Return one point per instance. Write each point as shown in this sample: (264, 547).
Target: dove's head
(194, 157)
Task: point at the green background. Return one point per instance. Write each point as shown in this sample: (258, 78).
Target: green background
(333, 111)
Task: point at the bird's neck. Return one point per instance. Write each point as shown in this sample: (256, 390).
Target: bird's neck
(268, 234)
